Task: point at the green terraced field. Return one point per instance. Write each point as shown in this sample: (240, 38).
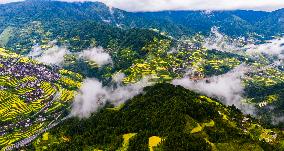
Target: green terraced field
(164, 117)
(32, 97)
(37, 96)
(263, 82)
(164, 64)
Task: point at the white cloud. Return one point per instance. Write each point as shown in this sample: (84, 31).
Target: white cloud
(55, 54)
(157, 5)
(272, 47)
(93, 95)
(9, 1)
(221, 42)
(118, 77)
(122, 93)
(52, 56)
(227, 87)
(97, 55)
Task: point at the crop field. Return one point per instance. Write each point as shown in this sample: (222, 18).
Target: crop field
(32, 97)
(164, 64)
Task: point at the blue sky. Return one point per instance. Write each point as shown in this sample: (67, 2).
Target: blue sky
(156, 5)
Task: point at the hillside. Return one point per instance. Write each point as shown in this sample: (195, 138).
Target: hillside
(276, 18)
(163, 67)
(51, 53)
(175, 23)
(165, 117)
(33, 97)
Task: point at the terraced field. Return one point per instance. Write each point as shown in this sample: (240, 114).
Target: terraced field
(154, 121)
(35, 97)
(264, 82)
(32, 97)
(164, 63)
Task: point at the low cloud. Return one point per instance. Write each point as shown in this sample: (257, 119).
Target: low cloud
(227, 87)
(93, 95)
(221, 42)
(277, 120)
(118, 77)
(9, 1)
(55, 55)
(159, 5)
(122, 93)
(97, 55)
(52, 56)
(273, 47)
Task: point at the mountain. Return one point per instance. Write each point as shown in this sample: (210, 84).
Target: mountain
(165, 117)
(33, 97)
(118, 50)
(273, 23)
(176, 23)
(25, 24)
(185, 23)
(79, 26)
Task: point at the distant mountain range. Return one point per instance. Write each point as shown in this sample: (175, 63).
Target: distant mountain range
(163, 46)
(176, 23)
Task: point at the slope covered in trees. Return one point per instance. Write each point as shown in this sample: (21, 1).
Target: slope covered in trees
(175, 23)
(161, 45)
(171, 116)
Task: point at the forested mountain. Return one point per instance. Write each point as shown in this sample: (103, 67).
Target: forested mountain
(28, 23)
(176, 23)
(179, 23)
(170, 118)
(273, 23)
(54, 54)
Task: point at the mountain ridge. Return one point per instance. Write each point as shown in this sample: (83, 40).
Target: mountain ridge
(112, 51)
(184, 22)
(181, 119)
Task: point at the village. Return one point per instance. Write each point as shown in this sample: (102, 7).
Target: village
(32, 96)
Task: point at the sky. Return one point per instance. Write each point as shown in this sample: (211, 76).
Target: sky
(8, 1)
(158, 5)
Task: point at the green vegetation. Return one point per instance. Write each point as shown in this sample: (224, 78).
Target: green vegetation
(163, 46)
(167, 117)
(5, 36)
(32, 96)
(164, 62)
(175, 23)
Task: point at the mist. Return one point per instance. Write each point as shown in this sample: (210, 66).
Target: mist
(52, 56)
(97, 55)
(55, 55)
(160, 5)
(93, 95)
(273, 47)
(227, 87)
(221, 42)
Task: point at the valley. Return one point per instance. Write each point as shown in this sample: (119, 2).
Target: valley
(85, 76)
